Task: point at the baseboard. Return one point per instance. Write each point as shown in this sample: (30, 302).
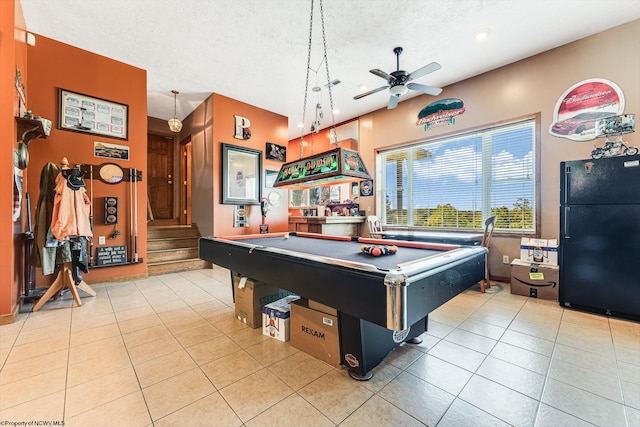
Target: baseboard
(501, 279)
(116, 279)
(7, 319)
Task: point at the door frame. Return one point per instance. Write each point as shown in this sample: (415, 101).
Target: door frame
(184, 189)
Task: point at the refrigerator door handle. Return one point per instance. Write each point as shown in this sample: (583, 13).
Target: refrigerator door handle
(566, 222)
(566, 173)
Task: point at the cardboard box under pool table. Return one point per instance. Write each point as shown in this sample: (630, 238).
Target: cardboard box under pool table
(250, 296)
(535, 280)
(276, 317)
(315, 332)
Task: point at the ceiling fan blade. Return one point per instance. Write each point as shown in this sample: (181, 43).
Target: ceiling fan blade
(393, 102)
(381, 73)
(429, 68)
(429, 90)
(362, 95)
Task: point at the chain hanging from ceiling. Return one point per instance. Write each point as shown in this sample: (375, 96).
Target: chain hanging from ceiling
(315, 126)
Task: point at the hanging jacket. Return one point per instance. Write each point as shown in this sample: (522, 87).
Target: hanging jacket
(43, 256)
(71, 211)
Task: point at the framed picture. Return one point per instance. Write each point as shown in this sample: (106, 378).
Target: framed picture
(366, 187)
(241, 175)
(275, 152)
(334, 193)
(83, 113)
(270, 177)
(110, 151)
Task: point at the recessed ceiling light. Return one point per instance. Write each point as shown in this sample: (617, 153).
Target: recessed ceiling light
(362, 87)
(336, 111)
(481, 34)
(300, 125)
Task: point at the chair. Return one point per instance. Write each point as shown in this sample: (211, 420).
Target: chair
(375, 228)
(489, 224)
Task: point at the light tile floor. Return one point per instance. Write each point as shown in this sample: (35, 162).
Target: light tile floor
(167, 351)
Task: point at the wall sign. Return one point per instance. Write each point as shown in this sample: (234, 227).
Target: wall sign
(112, 255)
(582, 105)
(276, 152)
(366, 187)
(110, 151)
(242, 128)
(441, 112)
(82, 113)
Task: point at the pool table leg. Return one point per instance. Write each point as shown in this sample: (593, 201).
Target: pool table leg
(364, 344)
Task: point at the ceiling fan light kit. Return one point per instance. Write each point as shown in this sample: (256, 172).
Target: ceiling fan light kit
(398, 81)
(398, 90)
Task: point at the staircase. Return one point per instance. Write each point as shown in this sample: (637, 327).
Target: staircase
(173, 248)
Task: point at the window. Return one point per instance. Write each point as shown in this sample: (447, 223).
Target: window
(456, 182)
(306, 197)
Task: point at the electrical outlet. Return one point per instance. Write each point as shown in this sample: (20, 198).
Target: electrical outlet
(102, 240)
(505, 259)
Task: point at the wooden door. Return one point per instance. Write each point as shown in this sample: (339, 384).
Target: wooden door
(160, 175)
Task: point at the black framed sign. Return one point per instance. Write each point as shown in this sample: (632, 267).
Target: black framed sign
(241, 175)
(275, 152)
(366, 187)
(82, 113)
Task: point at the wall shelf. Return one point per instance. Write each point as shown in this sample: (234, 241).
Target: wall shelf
(29, 129)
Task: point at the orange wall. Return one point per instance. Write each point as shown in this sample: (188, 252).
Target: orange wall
(54, 65)
(313, 143)
(211, 125)
(10, 275)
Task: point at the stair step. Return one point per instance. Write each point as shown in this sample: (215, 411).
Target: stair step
(171, 254)
(171, 243)
(173, 231)
(176, 266)
(173, 248)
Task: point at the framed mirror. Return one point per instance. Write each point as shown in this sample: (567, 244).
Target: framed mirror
(241, 175)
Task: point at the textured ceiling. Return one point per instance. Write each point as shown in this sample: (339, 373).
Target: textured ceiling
(255, 51)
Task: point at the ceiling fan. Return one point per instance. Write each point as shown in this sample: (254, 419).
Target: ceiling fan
(398, 81)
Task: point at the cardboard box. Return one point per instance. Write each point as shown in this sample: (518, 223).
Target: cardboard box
(276, 317)
(251, 296)
(315, 332)
(535, 280)
(540, 251)
(314, 305)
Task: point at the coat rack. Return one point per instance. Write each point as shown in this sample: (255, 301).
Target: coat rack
(65, 277)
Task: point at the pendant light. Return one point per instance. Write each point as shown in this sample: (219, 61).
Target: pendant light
(174, 123)
(331, 167)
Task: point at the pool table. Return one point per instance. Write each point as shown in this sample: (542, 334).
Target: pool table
(381, 301)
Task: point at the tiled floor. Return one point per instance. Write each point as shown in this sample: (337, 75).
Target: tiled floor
(167, 351)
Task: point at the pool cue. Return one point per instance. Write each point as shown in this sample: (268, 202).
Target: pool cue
(135, 213)
(91, 216)
(131, 214)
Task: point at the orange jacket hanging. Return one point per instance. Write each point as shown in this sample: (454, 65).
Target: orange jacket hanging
(71, 210)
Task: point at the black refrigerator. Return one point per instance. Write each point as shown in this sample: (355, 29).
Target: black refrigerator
(599, 253)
